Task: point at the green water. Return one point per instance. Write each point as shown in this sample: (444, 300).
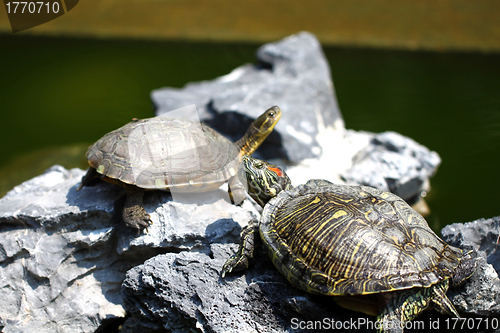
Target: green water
(57, 95)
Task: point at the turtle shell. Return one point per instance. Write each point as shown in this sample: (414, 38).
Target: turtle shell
(352, 240)
(162, 153)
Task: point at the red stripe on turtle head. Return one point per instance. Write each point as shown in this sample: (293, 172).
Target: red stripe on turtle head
(276, 170)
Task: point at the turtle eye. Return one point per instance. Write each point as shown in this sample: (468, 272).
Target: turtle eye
(271, 113)
(258, 165)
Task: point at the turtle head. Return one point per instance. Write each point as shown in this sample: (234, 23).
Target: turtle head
(262, 180)
(266, 121)
(258, 131)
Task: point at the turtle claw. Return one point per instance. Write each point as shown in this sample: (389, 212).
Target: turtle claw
(236, 197)
(226, 269)
(134, 215)
(237, 262)
(136, 218)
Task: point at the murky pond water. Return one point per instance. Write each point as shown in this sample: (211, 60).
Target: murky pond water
(57, 95)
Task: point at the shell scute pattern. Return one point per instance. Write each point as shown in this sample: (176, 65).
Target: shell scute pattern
(163, 153)
(368, 246)
(350, 241)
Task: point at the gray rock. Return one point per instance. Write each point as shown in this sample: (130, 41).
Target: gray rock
(292, 73)
(64, 254)
(55, 255)
(183, 292)
(481, 294)
(393, 163)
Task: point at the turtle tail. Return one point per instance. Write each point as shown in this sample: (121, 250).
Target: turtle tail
(89, 176)
(465, 269)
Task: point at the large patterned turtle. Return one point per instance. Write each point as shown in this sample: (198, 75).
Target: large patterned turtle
(176, 154)
(365, 247)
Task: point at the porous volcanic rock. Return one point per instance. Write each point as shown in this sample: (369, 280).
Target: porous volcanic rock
(183, 292)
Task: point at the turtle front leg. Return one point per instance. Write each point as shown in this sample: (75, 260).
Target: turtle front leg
(236, 191)
(134, 215)
(242, 259)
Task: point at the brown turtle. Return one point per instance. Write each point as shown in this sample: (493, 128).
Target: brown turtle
(176, 154)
